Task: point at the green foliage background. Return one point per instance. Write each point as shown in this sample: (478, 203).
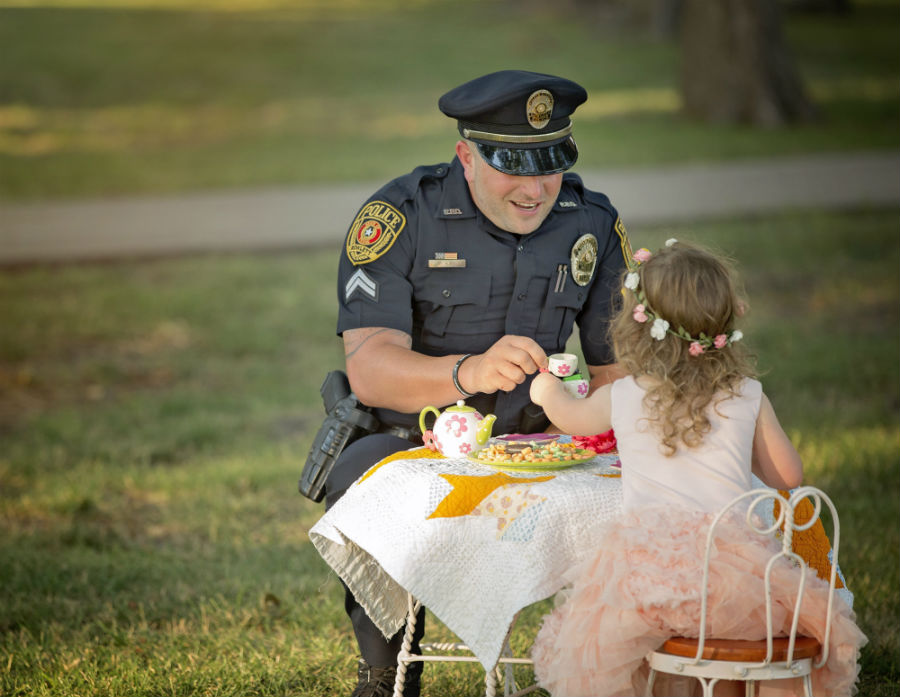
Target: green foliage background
(154, 415)
(123, 96)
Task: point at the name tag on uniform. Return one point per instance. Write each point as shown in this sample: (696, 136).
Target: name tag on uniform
(446, 260)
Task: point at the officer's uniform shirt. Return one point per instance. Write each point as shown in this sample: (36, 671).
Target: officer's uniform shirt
(423, 259)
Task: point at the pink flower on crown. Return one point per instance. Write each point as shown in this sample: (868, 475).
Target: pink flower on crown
(720, 340)
(696, 348)
(640, 313)
(641, 255)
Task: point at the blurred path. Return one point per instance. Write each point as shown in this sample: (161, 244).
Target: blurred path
(318, 216)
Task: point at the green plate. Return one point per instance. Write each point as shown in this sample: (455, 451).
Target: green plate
(581, 456)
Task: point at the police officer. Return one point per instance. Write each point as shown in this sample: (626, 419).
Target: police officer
(457, 280)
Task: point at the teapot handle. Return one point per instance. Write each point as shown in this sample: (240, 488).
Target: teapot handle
(427, 410)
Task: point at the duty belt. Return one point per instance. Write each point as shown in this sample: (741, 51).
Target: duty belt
(413, 435)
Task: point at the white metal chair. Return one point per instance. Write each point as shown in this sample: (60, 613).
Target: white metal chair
(773, 658)
(491, 678)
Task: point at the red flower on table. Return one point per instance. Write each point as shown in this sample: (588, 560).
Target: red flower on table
(600, 443)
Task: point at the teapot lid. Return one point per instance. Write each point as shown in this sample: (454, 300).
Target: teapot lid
(460, 407)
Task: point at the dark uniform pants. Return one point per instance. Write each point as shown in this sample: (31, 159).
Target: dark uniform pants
(358, 457)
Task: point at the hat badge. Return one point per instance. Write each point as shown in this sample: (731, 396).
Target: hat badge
(539, 108)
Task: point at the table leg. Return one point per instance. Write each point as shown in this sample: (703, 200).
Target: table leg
(402, 662)
(404, 658)
(490, 684)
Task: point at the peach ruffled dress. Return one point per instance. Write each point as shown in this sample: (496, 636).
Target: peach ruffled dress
(642, 586)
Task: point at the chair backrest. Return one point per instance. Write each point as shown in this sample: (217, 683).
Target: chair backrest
(772, 521)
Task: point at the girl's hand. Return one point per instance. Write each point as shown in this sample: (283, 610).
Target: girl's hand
(568, 414)
(543, 386)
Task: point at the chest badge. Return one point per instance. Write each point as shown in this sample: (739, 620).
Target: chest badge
(584, 259)
(373, 232)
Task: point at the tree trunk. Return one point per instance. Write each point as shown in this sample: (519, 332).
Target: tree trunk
(736, 67)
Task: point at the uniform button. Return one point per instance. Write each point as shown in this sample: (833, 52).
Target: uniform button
(446, 292)
(580, 296)
(521, 296)
(521, 247)
(439, 170)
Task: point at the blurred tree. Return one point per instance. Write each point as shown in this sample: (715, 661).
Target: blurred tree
(831, 6)
(736, 67)
(735, 64)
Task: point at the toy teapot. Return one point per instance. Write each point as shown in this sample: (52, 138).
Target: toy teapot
(460, 430)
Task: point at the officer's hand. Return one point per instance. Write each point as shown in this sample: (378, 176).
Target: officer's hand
(504, 365)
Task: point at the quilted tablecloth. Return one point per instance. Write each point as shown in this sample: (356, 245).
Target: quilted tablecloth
(474, 544)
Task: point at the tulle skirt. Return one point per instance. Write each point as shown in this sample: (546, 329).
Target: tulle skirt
(643, 587)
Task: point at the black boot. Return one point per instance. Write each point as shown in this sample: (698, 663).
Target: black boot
(379, 682)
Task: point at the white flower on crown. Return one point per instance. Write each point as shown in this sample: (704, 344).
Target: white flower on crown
(632, 280)
(670, 241)
(659, 329)
(736, 335)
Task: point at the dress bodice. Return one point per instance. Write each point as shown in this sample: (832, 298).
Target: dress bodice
(704, 478)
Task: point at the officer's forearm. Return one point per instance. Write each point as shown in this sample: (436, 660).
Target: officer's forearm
(385, 372)
(403, 380)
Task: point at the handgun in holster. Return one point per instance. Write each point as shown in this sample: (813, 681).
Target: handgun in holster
(346, 421)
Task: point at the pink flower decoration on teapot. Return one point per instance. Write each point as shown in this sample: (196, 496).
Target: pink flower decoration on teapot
(456, 425)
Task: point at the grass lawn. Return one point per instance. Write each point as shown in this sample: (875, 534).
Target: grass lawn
(123, 96)
(154, 417)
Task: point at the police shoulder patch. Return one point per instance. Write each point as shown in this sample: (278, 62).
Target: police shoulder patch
(375, 229)
(624, 244)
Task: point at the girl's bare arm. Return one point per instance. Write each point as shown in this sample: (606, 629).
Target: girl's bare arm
(775, 459)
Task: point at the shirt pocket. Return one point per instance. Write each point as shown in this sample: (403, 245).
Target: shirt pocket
(558, 314)
(453, 302)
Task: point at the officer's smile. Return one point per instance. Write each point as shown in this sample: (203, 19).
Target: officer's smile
(528, 210)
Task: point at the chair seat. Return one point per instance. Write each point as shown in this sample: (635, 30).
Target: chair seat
(740, 650)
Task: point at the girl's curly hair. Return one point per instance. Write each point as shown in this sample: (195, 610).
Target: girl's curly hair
(694, 288)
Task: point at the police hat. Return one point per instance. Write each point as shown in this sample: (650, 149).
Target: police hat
(519, 120)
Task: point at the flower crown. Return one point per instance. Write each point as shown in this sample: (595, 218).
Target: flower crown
(660, 327)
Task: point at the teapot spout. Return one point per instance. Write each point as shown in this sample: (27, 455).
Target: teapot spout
(483, 433)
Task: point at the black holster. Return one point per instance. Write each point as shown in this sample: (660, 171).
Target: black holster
(533, 419)
(346, 421)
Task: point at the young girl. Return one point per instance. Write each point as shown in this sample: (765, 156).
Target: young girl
(691, 425)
